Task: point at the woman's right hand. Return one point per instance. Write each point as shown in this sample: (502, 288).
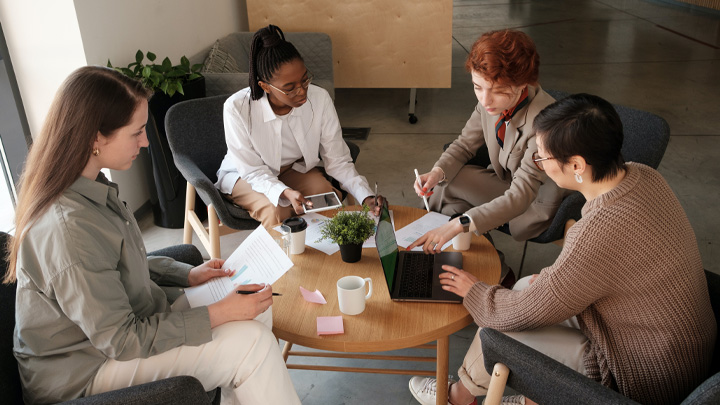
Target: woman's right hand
(428, 180)
(241, 307)
(296, 199)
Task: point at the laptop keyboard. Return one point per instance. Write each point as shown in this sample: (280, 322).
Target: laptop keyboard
(417, 275)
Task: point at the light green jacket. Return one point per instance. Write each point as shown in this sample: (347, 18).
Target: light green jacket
(87, 292)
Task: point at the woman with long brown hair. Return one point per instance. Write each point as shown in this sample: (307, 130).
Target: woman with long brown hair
(90, 316)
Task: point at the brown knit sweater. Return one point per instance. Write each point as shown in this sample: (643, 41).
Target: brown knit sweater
(631, 272)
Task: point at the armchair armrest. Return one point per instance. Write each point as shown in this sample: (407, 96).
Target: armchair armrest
(541, 378)
(183, 390)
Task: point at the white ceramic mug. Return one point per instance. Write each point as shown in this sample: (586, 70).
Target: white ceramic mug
(351, 294)
(462, 241)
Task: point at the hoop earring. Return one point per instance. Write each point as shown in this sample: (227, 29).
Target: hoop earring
(578, 178)
(96, 152)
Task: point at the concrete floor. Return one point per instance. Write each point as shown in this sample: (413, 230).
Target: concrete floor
(649, 55)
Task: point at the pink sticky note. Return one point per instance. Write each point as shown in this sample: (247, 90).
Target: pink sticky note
(314, 297)
(330, 325)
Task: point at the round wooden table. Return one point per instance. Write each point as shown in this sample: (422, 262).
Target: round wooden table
(385, 324)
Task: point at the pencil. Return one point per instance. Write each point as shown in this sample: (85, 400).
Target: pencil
(252, 292)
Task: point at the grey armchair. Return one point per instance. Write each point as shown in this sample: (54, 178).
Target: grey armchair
(547, 381)
(646, 138)
(196, 136)
(185, 390)
(315, 48)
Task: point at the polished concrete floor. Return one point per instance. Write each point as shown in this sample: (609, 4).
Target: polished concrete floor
(650, 55)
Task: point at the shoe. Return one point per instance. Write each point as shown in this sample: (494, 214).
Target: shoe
(511, 400)
(424, 389)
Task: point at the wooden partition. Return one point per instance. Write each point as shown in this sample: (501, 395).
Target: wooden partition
(376, 43)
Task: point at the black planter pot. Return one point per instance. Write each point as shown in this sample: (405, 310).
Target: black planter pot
(168, 194)
(351, 253)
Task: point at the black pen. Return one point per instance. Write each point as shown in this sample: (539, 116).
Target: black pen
(252, 292)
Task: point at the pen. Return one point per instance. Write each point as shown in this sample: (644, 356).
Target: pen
(376, 200)
(417, 177)
(251, 292)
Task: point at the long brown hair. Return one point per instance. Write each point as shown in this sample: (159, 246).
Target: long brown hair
(91, 100)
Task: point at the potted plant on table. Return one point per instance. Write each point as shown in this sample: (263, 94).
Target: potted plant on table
(171, 84)
(349, 229)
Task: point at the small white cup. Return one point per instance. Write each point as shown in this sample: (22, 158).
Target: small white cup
(351, 294)
(462, 241)
(297, 231)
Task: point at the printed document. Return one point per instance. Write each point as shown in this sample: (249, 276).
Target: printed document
(257, 260)
(420, 227)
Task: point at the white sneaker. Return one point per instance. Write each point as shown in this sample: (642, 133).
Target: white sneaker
(511, 400)
(424, 389)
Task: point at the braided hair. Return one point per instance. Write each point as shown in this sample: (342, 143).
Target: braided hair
(268, 51)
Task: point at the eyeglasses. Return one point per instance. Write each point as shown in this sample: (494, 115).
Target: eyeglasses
(539, 161)
(296, 91)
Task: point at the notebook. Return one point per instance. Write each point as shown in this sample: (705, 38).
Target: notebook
(412, 276)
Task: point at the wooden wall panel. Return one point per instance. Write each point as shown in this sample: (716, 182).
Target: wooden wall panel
(376, 43)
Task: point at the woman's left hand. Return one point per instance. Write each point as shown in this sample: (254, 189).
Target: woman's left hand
(208, 270)
(374, 208)
(456, 280)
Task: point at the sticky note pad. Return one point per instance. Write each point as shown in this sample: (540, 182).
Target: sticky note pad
(330, 325)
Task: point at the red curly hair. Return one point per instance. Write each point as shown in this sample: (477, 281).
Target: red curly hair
(506, 57)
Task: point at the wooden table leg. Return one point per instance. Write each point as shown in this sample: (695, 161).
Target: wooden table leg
(441, 373)
(286, 351)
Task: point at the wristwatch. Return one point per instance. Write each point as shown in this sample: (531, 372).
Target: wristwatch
(465, 222)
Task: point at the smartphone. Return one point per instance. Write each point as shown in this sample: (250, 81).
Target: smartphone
(322, 202)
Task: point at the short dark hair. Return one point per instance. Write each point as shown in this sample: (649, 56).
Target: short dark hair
(268, 51)
(583, 125)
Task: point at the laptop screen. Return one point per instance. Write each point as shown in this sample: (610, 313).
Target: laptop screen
(387, 246)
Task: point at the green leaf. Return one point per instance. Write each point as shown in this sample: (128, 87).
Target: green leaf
(138, 56)
(151, 56)
(180, 89)
(146, 72)
(166, 64)
(184, 61)
(127, 72)
(164, 87)
(197, 67)
(109, 64)
(194, 76)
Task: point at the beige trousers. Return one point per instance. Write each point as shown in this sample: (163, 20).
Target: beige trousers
(472, 187)
(563, 342)
(260, 207)
(243, 359)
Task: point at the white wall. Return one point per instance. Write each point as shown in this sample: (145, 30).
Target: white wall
(48, 39)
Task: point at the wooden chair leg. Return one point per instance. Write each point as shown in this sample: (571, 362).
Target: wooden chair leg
(189, 207)
(497, 384)
(214, 232)
(286, 351)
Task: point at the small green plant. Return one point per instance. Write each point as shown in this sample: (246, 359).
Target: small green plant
(161, 77)
(348, 227)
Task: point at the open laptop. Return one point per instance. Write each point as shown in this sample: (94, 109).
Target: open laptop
(412, 276)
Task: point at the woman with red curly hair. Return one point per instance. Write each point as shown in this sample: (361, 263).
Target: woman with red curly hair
(509, 188)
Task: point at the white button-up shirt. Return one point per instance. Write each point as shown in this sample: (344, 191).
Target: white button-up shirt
(255, 150)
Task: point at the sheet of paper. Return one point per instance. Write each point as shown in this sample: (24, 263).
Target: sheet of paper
(420, 227)
(312, 234)
(257, 260)
(330, 325)
(314, 297)
(370, 242)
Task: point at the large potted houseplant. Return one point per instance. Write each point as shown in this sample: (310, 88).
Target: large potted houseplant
(171, 84)
(349, 229)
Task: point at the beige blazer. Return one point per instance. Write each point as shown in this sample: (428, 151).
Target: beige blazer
(532, 198)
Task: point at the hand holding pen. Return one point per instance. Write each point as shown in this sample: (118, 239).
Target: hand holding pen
(422, 186)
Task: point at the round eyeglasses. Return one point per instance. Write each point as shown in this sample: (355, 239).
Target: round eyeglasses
(296, 91)
(539, 161)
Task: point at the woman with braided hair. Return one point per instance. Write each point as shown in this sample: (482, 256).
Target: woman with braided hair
(278, 130)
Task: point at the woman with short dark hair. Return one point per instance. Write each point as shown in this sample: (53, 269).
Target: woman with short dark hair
(626, 303)
(278, 130)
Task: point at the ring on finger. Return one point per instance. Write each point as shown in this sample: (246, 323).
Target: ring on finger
(452, 277)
